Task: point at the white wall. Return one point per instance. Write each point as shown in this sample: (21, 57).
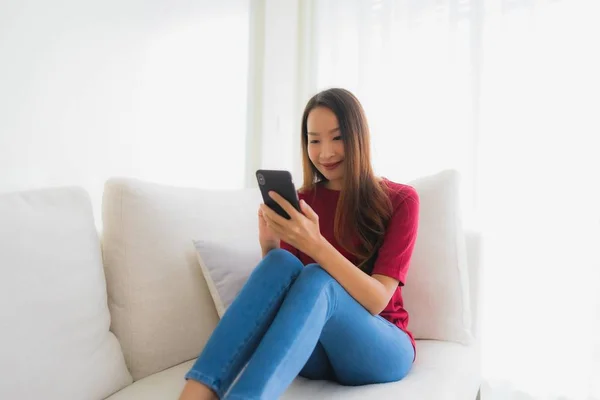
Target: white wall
(152, 90)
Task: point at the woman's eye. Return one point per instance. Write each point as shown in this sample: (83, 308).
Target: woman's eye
(314, 142)
(337, 138)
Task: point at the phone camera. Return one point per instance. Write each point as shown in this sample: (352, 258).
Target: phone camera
(261, 179)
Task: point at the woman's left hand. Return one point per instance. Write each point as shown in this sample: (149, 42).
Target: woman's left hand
(301, 231)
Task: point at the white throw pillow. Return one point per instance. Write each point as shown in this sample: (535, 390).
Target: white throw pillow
(436, 294)
(54, 320)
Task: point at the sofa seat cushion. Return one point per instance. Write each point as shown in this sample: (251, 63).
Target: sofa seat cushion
(442, 371)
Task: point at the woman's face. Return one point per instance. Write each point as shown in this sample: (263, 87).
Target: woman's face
(325, 145)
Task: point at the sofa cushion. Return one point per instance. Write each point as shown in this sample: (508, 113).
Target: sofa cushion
(226, 267)
(442, 371)
(161, 308)
(54, 323)
(437, 295)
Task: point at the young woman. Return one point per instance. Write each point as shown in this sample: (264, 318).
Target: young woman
(325, 302)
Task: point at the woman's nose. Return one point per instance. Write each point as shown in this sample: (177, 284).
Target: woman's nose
(327, 151)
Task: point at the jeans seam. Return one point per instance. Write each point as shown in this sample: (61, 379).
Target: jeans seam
(287, 355)
(253, 331)
(334, 300)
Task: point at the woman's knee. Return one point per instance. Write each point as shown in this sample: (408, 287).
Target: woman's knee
(314, 274)
(279, 264)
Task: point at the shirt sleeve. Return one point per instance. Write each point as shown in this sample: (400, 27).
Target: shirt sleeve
(399, 240)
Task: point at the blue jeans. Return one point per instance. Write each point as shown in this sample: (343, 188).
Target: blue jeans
(290, 319)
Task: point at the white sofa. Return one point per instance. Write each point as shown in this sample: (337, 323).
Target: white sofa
(123, 314)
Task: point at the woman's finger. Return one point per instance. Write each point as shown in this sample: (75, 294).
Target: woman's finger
(268, 212)
(287, 207)
(272, 217)
(308, 211)
(275, 228)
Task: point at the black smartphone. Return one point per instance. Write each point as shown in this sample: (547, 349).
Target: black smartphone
(281, 183)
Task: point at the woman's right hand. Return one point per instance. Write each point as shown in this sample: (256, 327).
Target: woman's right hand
(267, 238)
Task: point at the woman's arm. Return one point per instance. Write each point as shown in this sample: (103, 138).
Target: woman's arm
(393, 257)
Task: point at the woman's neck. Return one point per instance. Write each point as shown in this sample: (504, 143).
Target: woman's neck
(337, 184)
(333, 185)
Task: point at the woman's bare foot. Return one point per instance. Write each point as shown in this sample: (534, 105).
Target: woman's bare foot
(195, 390)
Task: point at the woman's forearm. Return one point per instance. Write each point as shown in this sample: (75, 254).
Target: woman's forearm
(267, 249)
(368, 291)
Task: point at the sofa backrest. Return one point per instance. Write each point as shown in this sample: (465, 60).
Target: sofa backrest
(160, 305)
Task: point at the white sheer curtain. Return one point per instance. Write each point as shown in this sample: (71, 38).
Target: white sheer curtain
(410, 64)
(539, 199)
(507, 92)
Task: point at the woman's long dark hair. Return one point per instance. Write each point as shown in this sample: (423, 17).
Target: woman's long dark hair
(364, 207)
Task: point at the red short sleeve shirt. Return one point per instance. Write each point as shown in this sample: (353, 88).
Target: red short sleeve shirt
(394, 255)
